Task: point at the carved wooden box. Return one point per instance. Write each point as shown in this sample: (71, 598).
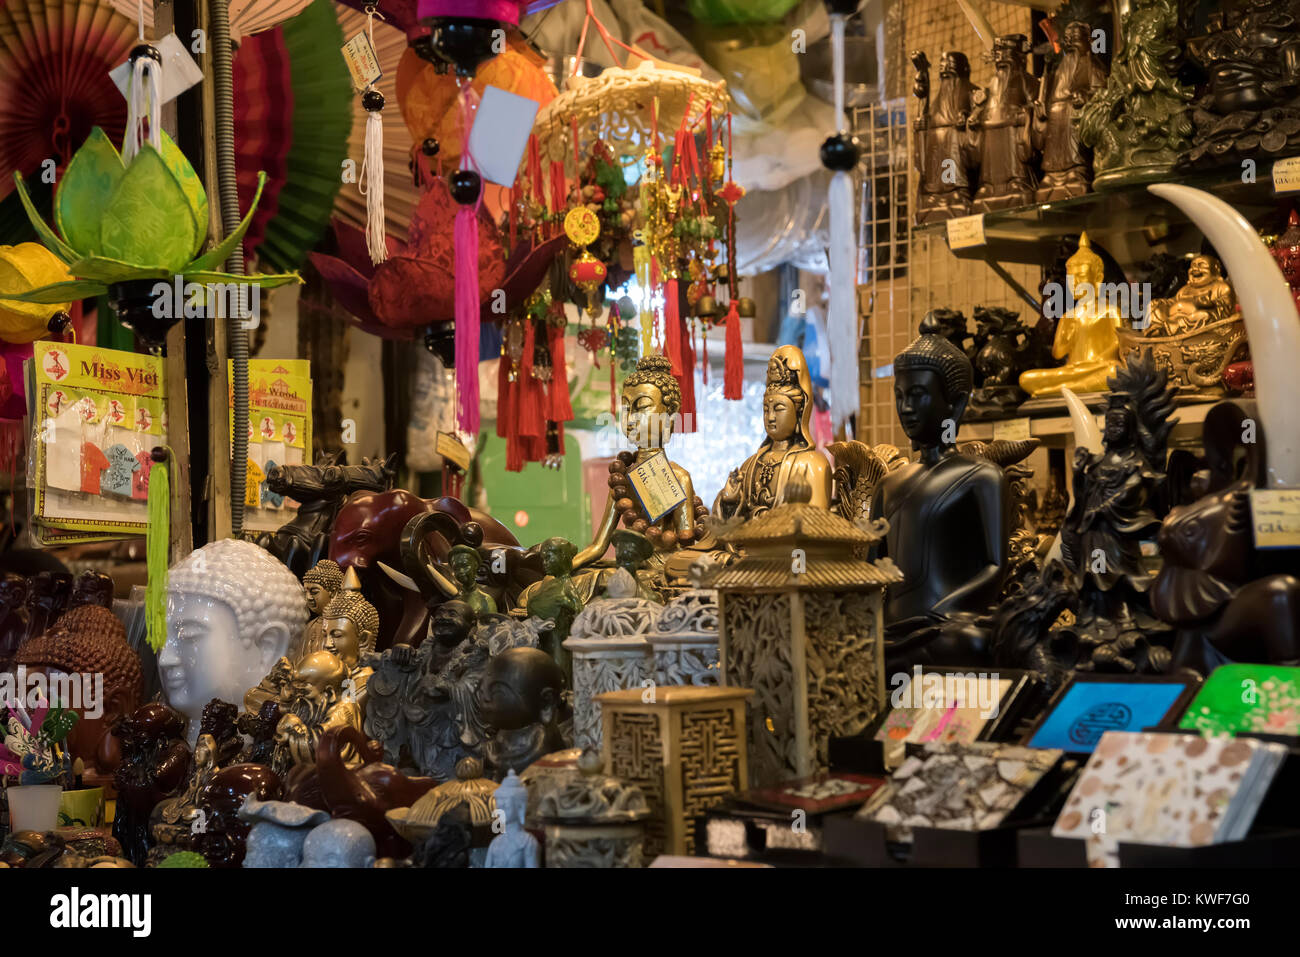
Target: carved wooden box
(684, 747)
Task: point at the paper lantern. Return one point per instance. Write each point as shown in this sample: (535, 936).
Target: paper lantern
(23, 268)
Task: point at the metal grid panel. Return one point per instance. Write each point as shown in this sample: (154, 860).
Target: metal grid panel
(892, 303)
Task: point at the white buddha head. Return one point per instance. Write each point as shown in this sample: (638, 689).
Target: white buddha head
(233, 610)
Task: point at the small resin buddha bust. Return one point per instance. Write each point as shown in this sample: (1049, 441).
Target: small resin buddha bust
(233, 610)
(321, 582)
(788, 452)
(949, 514)
(520, 699)
(651, 400)
(464, 561)
(351, 626)
(1086, 334)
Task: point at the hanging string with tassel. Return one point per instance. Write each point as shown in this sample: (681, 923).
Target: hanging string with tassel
(733, 375)
(157, 543)
(143, 104)
(839, 153)
(371, 183)
(467, 190)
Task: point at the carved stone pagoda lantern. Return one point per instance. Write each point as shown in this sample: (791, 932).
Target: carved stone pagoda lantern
(801, 623)
(684, 640)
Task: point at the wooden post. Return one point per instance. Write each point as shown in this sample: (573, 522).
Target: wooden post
(174, 377)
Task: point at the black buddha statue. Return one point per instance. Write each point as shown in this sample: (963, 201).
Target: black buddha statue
(949, 513)
(520, 699)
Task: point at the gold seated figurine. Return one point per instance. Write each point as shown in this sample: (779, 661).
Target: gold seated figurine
(1085, 334)
(788, 453)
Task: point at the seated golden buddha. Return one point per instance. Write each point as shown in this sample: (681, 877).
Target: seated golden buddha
(651, 401)
(1205, 299)
(1085, 334)
(788, 453)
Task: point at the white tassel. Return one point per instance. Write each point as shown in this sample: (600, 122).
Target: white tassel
(842, 313)
(143, 103)
(842, 262)
(371, 186)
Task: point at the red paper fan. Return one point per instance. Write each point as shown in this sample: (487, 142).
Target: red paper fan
(246, 16)
(55, 56)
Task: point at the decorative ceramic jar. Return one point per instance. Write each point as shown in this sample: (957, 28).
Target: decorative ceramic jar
(608, 642)
(684, 640)
(684, 747)
(593, 820)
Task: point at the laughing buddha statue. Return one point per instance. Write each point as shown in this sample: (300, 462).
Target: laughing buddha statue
(788, 453)
(1086, 332)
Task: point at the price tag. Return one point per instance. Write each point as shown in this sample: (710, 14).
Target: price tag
(655, 484)
(1011, 430)
(966, 231)
(453, 450)
(362, 62)
(499, 136)
(1286, 175)
(1275, 515)
(179, 71)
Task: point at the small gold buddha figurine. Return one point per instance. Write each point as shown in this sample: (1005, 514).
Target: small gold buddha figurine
(788, 453)
(351, 624)
(1207, 298)
(320, 584)
(1086, 332)
(651, 401)
(313, 701)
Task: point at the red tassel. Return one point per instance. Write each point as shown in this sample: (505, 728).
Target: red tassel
(467, 314)
(508, 416)
(532, 416)
(561, 409)
(733, 379)
(687, 382)
(704, 362)
(672, 326)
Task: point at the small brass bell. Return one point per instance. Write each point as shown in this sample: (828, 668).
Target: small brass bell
(746, 307)
(721, 273)
(707, 307)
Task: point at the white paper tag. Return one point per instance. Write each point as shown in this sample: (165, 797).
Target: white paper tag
(1011, 430)
(362, 62)
(179, 71)
(500, 134)
(1276, 517)
(1286, 175)
(966, 231)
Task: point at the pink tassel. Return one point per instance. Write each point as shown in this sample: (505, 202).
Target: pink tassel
(467, 313)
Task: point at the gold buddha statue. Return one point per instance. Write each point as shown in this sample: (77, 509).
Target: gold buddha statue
(651, 400)
(351, 624)
(1086, 333)
(320, 584)
(788, 453)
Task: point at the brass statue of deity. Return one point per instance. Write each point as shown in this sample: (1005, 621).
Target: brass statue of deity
(1086, 334)
(789, 452)
(351, 625)
(651, 400)
(1207, 298)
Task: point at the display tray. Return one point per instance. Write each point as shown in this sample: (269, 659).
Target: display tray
(864, 844)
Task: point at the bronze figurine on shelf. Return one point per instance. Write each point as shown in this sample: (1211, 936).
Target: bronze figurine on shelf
(1139, 123)
(1077, 77)
(1198, 332)
(557, 600)
(998, 353)
(788, 453)
(949, 514)
(1086, 334)
(351, 626)
(316, 699)
(999, 129)
(939, 140)
(1251, 107)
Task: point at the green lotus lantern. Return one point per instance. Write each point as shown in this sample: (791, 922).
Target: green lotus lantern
(132, 230)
